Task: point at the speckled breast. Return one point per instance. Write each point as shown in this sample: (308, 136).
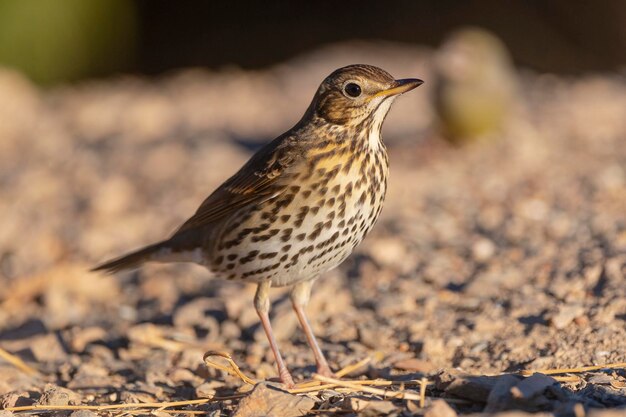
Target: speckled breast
(309, 228)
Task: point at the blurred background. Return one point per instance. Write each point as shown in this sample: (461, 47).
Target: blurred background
(69, 40)
(502, 245)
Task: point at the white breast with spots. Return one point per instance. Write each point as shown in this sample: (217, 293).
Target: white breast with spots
(318, 228)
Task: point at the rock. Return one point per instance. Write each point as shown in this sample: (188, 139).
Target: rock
(182, 375)
(600, 378)
(208, 389)
(48, 348)
(532, 386)
(500, 397)
(436, 351)
(15, 399)
(395, 304)
(89, 375)
(604, 413)
(5, 413)
(267, 400)
(54, 395)
(114, 196)
(565, 315)
(440, 408)
(391, 253)
(372, 335)
(483, 249)
(83, 413)
(13, 380)
(475, 388)
(81, 337)
(200, 314)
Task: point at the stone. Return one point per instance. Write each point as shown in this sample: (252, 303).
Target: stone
(58, 396)
(267, 400)
(440, 408)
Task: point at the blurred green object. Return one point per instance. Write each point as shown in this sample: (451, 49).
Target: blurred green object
(476, 86)
(53, 41)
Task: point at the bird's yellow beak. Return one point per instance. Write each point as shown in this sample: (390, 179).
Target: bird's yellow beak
(400, 87)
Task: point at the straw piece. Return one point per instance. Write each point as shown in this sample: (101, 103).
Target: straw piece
(233, 370)
(575, 370)
(351, 368)
(423, 392)
(569, 378)
(17, 362)
(378, 382)
(401, 395)
(160, 405)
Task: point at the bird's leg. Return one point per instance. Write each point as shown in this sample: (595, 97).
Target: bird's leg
(300, 295)
(262, 305)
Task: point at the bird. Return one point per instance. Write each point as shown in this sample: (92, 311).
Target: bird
(476, 86)
(299, 206)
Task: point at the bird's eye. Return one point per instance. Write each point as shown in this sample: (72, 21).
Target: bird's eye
(352, 90)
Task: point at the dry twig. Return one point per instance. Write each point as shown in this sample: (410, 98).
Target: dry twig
(17, 362)
(232, 370)
(401, 395)
(123, 406)
(575, 370)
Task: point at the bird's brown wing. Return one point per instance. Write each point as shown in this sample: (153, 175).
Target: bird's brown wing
(259, 179)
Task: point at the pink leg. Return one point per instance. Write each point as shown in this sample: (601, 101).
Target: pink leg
(262, 305)
(299, 299)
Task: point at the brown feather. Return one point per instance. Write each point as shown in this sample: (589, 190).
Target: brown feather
(259, 179)
(131, 260)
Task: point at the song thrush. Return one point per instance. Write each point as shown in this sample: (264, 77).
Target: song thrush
(300, 205)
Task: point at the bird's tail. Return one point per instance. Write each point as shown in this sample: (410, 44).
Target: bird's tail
(134, 259)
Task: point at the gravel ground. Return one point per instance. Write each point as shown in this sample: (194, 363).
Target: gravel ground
(491, 259)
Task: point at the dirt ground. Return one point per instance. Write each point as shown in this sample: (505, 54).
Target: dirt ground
(488, 260)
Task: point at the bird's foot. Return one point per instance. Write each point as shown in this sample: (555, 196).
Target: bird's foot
(286, 379)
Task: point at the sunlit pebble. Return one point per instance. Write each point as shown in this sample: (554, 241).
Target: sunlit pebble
(612, 176)
(195, 99)
(148, 118)
(534, 209)
(620, 241)
(37, 185)
(387, 252)
(113, 233)
(483, 249)
(216, 161)
(19, 104)
(604, 103)
(491, 217)
(565, 315)
(255, 114)
(613, 268)
(446, 227)
(97, 114)
(32, 254)
(559, 226)
(48, 248)
(165, 161)
(495, 186)
(127, 313)
(113, 196)
(600, 356)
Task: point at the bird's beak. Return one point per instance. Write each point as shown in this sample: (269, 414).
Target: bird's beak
(400, 87)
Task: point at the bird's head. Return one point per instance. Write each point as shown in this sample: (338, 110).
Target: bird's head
(355, 93)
